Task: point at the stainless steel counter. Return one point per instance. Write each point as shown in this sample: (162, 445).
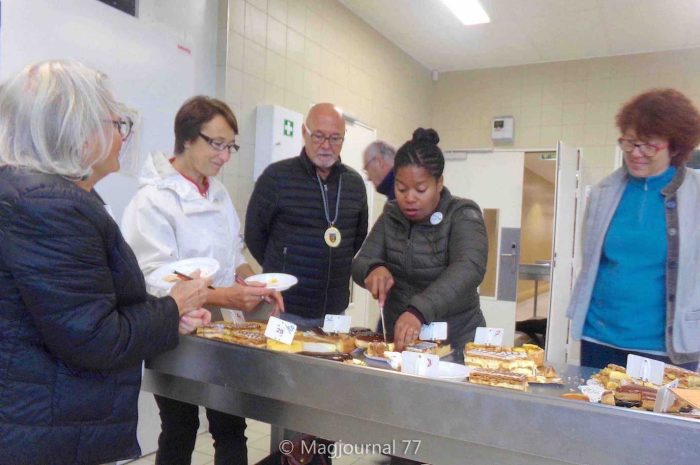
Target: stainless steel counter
(452, 422)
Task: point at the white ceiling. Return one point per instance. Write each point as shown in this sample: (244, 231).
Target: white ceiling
(532, 31)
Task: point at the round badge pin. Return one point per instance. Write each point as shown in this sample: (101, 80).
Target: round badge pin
(436, 218)
(332, 237)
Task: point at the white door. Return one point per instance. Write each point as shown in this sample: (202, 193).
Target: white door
(565, 208)
(494, 180)
(363, 308)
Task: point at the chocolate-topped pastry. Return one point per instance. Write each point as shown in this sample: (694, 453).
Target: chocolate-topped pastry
(362, 340)
(356, 330)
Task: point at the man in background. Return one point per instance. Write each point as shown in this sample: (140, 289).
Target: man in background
(378, 160)
(308, 217)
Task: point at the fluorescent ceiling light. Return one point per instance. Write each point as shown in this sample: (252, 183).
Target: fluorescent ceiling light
(470, 12)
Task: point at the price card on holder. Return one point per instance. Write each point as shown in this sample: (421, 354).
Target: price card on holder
(665, 397)
(645, 369)
(436, 331)
(417, 363)
(489, 336)
(234, 316)
(336, 324)
(280, 330)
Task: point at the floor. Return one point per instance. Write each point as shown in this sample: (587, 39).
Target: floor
(258, 448)
(525, 309)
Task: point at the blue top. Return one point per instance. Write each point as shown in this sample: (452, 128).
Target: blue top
(386, 187)
(628, 304)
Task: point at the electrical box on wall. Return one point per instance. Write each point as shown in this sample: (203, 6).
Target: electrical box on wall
(502, 129)
(277, 136)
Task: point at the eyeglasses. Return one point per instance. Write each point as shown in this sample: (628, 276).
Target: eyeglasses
(124, 126)
(369, 162)
(647, 149)
(219, 145)
(335, 140)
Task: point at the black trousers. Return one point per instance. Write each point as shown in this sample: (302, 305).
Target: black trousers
(179, 423)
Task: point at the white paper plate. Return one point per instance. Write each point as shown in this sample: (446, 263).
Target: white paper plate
(276, 281)
(163, 277)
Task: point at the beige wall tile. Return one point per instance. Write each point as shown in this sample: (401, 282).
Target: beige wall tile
(527, 137)
(296, 16)
(259, 4)
(573, 134)
(236, 46)
(254, 59)
(595, 134)
(234, 86)
(278, 9)
(237, 16)
(573, 113)
(276, 36)
(551, 114)
(275, 68)
(255, 25)
(295, 46)
(550, 135)
(532, 116)
(552, 93)
(313, 56)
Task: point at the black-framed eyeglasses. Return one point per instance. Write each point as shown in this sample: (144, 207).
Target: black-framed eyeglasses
(647, 149)
(369, 162)
(220, 145)
(124, 125)
(318, 138)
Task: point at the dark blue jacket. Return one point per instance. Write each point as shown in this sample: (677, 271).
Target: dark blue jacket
(284, 230)
(75, 324)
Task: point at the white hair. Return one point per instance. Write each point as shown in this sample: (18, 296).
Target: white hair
(56, 117)
(379, 148)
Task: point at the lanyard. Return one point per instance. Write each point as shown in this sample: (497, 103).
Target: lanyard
(324, 196)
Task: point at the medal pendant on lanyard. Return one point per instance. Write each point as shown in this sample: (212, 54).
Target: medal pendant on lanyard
(332, 234)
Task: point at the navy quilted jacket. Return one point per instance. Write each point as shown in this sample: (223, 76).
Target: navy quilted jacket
(75, 324)
(284, 230)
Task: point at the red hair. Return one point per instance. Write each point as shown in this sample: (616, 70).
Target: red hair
(667, 114)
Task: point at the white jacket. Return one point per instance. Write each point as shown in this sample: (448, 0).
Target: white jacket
(169, 220)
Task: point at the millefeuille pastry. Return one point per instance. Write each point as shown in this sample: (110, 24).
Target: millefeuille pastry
(497, 378)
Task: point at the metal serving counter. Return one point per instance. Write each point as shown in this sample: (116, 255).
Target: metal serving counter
(447, 422)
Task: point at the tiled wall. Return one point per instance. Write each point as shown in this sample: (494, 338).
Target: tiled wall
(574, 101)
(297, 52)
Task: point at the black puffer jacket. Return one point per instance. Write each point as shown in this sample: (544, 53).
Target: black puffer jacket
(75, 324)
(436, 268)
(284, 230)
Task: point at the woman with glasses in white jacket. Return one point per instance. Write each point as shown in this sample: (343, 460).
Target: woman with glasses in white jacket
(181, 211)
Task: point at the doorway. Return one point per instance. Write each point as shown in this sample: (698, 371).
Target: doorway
(521, 203)
(539, 177)
(363, 309)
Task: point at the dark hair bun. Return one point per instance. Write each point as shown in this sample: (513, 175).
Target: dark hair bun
(426, 136)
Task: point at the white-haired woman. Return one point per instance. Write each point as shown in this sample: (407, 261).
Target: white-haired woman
(75, 319)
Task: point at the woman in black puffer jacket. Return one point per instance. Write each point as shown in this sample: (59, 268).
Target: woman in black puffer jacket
(426, 254)
(75, 319)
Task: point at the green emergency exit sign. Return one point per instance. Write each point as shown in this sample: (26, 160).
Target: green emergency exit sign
(288, 128)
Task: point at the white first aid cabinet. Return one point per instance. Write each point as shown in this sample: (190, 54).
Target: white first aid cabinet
(277, 136)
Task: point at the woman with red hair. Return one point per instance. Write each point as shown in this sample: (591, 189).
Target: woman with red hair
(638, 292)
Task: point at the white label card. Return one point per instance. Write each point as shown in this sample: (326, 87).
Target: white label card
(280, 330)
(234, 316)
(645, 369)
(665, 397)
(489, 336)
(416, 363)
(436, 331)
(337, 323)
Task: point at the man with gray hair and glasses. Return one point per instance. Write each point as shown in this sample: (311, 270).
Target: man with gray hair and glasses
(378, 163)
